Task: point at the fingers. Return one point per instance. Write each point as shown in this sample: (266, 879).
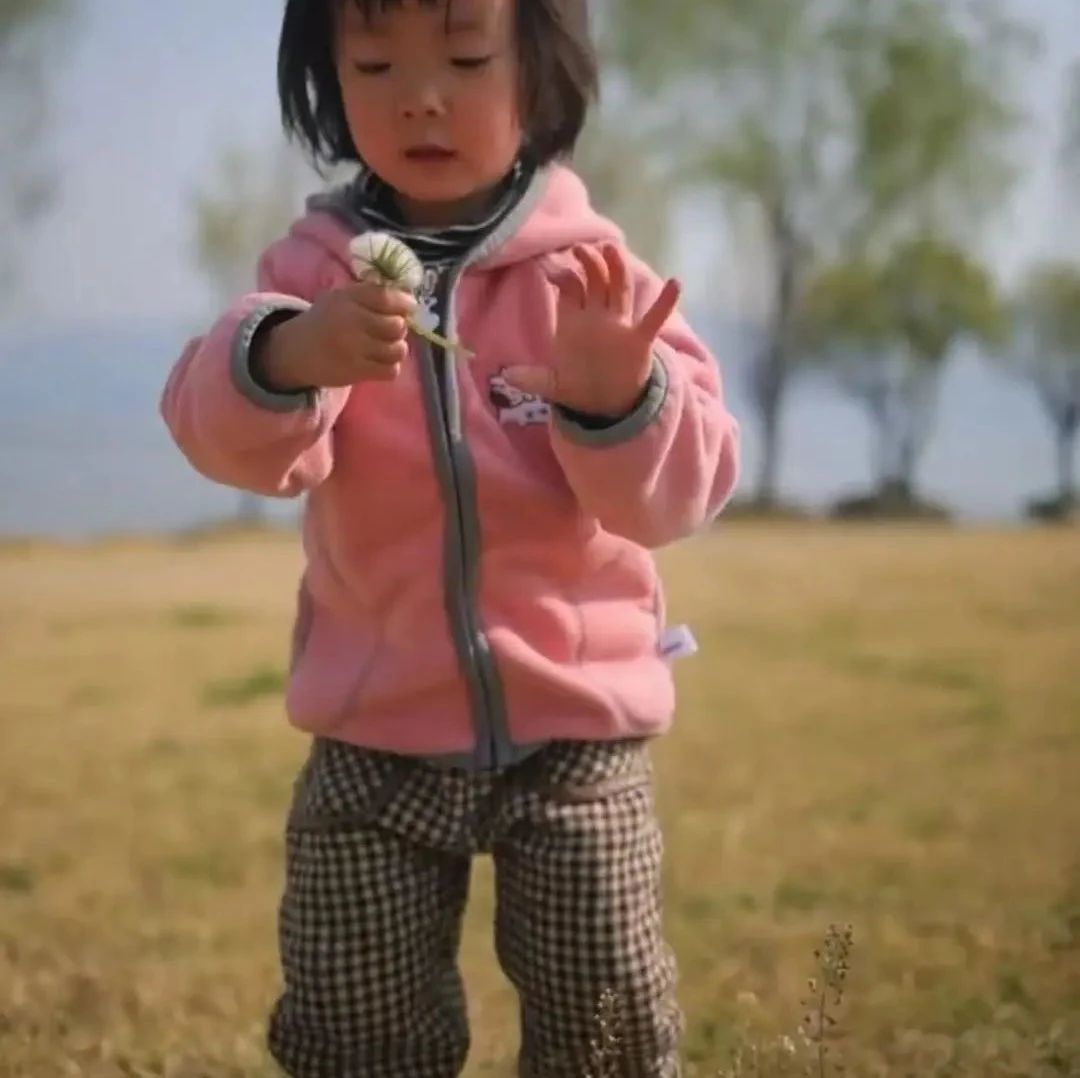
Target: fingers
(590, 287)
(596, 274)
(620, 294)
(366, 370)
(654, 319)
(366, 356)
(379, 299)
(373, 327)
(383, 327)
(385, 353)
(571, 289)
(606, 279)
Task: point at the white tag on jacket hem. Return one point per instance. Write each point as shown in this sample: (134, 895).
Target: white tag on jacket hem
(678, 642)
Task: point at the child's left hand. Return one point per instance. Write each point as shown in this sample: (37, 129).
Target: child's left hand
(602, 358)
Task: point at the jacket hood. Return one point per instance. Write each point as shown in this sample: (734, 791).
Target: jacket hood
(553, 214)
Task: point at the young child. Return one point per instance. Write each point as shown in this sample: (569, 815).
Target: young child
(479, 649)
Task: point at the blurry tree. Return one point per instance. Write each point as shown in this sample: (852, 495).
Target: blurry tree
(1069, 159)
(841, 126)
(626, 183)
(615, 156)
(248, 203)
(1045, 350)
(884, 329)
(1070, 145)
(26, 185)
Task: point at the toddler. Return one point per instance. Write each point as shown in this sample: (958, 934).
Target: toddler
(479, 652)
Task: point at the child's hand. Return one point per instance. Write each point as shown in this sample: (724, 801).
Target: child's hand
(352, 334)
(602, 357)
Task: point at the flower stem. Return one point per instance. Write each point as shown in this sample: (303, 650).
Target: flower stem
(821, 1032)
(441, 342)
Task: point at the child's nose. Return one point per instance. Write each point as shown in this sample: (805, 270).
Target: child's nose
(423, 100)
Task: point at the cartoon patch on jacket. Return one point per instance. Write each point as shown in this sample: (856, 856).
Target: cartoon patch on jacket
(515, 406)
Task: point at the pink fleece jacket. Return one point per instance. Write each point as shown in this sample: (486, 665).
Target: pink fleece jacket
(478, 579)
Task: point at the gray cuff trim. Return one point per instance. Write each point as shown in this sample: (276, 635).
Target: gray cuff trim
(240, 359)
(628, 427)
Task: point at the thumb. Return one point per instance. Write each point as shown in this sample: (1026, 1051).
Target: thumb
(539, 381)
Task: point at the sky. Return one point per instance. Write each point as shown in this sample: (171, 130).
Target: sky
(146, 93)
(145, 96)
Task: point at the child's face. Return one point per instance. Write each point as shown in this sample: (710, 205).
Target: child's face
(432, 102)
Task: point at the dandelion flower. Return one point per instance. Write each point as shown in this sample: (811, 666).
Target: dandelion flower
(383, 258)
(379, 257)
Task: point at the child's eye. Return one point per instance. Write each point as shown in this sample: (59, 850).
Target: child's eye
(470, 63)
(371, 67)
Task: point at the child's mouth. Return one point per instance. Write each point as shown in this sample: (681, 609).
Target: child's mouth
(429, 154)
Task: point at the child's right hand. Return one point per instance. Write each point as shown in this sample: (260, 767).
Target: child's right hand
(352, 334)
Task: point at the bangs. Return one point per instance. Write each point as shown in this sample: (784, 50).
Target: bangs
(372, 10)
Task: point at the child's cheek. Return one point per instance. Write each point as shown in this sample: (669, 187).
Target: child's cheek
(491, 118)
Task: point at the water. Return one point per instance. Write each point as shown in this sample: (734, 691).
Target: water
(83, 450)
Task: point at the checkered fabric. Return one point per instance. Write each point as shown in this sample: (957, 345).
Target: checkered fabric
(378, 856)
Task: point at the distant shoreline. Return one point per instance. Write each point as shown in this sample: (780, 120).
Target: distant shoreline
(84, 453)
(226, 531)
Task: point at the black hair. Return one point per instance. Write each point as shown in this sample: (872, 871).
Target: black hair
(557, 60)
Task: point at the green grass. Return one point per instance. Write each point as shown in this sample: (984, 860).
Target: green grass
(202, 616)
(883, 729)
(264, 680)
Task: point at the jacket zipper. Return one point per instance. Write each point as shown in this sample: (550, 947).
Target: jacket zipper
(478, 648)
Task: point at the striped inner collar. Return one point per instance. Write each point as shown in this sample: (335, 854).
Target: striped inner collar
(374, 201)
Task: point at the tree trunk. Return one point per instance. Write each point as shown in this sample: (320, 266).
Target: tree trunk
(903, 485)
(775, 361)
(913, 401)
(770, 399)
(889, 417)
(877, 404)
(1066, 445)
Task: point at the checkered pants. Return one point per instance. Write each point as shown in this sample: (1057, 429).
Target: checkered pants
(378, 857)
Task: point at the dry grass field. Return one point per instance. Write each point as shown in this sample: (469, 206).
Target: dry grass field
(882, 729)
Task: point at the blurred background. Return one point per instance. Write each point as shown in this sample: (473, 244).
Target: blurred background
(874, 206)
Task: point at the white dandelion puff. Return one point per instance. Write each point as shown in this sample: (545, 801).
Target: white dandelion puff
(387, 260)
(380, 257)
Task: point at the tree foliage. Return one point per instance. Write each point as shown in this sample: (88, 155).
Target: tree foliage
(884, 330)
(248, 202)
(626, 184)
(1070, 143)
(1045, 350)
(842, 127)
(26, 181)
